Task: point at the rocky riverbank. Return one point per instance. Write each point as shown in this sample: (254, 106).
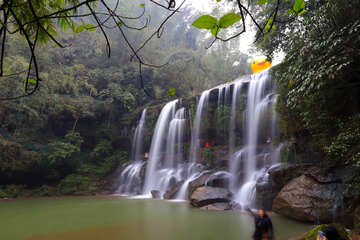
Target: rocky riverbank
(299, 191)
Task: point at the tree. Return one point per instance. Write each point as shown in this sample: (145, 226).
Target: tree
(319, 81)
(35, 21)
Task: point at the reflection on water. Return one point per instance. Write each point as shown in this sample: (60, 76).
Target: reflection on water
(119, 218)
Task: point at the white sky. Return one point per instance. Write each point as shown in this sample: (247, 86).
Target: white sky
(206, 6)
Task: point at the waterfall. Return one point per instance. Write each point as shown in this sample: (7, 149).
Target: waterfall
(259, 116)
(129, 180)
(157, 146)
(250, 128)
(163, 170)
(200, 111)
(137, 146)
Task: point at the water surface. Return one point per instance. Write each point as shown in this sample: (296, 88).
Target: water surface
(110, 217)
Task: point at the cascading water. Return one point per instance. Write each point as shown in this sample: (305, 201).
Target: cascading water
(200, 110)
(163, 170)
(129, 180)
(259, 105)
(157, 146)
(137, 146)
(250, 153)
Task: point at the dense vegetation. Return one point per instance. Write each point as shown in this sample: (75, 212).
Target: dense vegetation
(318, 82)
(85, 99)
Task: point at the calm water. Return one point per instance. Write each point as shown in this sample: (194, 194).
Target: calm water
(109, 217)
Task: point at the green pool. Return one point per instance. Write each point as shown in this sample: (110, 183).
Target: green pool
(111, 217)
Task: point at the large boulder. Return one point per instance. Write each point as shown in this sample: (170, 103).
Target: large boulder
(341, 174)
(210, 178)
(170, 194)
(305, 198)
(278, 176)
(209, 195)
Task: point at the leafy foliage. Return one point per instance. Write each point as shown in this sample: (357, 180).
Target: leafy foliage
(73, 183)
(318, 83)
(209, 22)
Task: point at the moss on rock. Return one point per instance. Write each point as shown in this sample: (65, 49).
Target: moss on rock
(313, 233)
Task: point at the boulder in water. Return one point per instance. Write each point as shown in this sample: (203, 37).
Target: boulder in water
(209, 195)
(214, 180)
(304, 198)
(279, 176)
(217, 207)
(156, 194)
(170, 194)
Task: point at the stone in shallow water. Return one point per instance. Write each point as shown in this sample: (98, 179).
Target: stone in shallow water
(217, 207)
(171, 193)
(209, 195)
(217, 180)
(156, 194)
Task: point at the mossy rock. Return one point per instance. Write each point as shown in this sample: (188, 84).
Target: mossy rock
(313, 233)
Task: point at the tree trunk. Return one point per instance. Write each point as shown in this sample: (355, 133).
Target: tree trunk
(77, 118)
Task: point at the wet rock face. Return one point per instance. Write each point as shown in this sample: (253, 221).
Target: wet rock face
(207, 177)
(343, 174)
(306, 199)
(279, 176)
(209, 195)
(156, 194)
(171, 193)
(350, 219)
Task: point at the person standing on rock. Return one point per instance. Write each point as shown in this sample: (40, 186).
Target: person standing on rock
(263, 226)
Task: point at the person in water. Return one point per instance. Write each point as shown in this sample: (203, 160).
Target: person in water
(330, 234)
(263, 226)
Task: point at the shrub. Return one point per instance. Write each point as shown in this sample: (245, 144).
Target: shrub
(73, 183)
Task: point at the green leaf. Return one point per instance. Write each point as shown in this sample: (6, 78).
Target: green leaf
(171, 92)
(142, 5)
(268, 23)
(299, 6)
(262, 2)
(29, 80)
(90, 27)
(120, 23)
(228, 20)
(149, 15)
(80, 28)
(218, 0)
(291, 11)
(301, 11)
(215, 31)
(205, 22)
